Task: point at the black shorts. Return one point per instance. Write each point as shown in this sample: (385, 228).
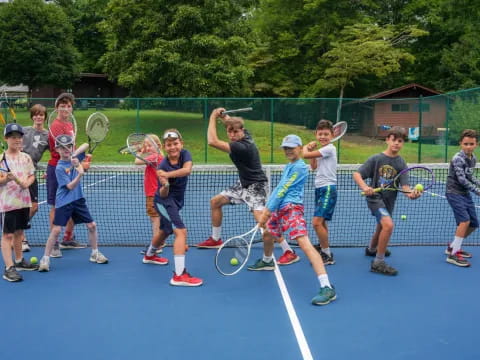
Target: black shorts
(16, 220)
(34, 191)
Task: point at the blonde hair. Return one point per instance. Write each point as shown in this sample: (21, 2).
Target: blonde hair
(157, 141)
(172, 130)
(235, 122)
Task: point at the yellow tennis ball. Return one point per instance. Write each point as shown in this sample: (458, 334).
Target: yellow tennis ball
(419, 187)
(33, 260)
(234, 261)
(403, 217)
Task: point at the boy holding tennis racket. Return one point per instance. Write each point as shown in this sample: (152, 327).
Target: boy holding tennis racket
(173, 174)
(252, 187)
(70, 202)
(35, 143)
(15, 178)
(460, 182)
(284, 213)
(324, 160)
(381, 169)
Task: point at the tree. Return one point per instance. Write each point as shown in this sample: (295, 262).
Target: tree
(465, 114)
(363, 49)
(178, 48)
(36, 43)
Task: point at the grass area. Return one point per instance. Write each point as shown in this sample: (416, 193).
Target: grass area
(352, 149)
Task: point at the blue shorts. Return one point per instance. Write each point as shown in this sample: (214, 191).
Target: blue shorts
(325, 200)
(169, 216)
(52, 185)
(77, 210)
(380, 213)
(463, 208)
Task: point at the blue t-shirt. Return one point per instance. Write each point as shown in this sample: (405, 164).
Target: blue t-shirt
(177, 185)
(291, 187)
(65, 173)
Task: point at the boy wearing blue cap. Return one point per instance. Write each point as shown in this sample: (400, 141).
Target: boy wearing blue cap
(284, 213)
(15, 201)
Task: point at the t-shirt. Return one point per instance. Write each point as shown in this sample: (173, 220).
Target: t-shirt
(382, 169)
(245, 157)
(35, 143)
(177, 185)
(460, 179)
(65, 173)
(57, 128)
(326, 167)
(12, 196)
(150, 181)
(290, 189)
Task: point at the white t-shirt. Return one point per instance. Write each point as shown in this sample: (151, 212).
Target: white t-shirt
(326, 167)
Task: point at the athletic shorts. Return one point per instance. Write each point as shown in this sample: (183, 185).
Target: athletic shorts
(463, 208)
(288, 219)
(52, 185)
(325, 200)
(255, 195)
(33, 189)
(77, 210)
(16, 220)
(380, 213)
(150, 207)
(169, 216)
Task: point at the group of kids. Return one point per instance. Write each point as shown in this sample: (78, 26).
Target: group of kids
(165, 182)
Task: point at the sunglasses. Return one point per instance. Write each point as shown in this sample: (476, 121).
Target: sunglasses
(171, 135)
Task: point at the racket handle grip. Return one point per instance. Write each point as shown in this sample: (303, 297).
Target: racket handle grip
(377, 190)
(88, 158)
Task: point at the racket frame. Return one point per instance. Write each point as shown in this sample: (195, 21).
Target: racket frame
(234, 111)
(135, 153)
(342, 125)
(92, 142)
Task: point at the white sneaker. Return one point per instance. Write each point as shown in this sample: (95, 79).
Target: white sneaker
(25, 246)
(56, 252)
(44, 264)
(98, 257)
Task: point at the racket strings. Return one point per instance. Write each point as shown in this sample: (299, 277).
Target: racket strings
(420, 176)
(97, 128)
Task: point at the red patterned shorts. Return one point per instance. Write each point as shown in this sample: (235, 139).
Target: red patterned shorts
(288, 219)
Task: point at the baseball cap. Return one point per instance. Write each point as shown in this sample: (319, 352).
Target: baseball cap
(291, 141)
(63, 140)
(13, 127)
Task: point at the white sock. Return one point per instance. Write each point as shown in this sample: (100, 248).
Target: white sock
(216, 232)
(179, 264)
(285, 246)
(327, 251)
(456, 244)
(323, 279)
(266, 258)
(94, 251)
(151, 250)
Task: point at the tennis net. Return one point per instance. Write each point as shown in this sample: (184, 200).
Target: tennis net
(116, 200)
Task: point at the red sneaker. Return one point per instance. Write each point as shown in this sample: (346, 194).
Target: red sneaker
(289, 257)
(155, 259)
(185, 279)
(210, 243)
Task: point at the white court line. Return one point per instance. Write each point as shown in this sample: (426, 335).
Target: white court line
(297, 328)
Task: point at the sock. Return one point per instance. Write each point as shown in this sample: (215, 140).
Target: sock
(285, 246)
(179, 264)
(372, 249)
(267, 259)
(94, 251)
(324, 282)
(216, 232)
(327, 251)
(379, 257)
(18, 261)
(456, 244)
(151, 250)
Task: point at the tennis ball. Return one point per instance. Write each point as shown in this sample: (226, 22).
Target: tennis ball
(403, 217)
(234, 261)
(419, 187)
(33, 260)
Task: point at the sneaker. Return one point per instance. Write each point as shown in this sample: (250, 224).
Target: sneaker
(325, 296)
(327, 259)
(25, 265)
(457, 259)
(44, 264)
(72, 244)
(369, 252)
(154, 259)
(158, 251)
(25, 246)
(56, 253)
(448, 251)
(12, 275)
(288, 257)
(185, 279)
(210, 244)
(98, 258)
(382, 267)
(262, 265)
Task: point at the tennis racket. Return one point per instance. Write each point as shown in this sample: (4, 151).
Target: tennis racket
(96, 129)
(415, 177)
(5, 104)
(4, 164)
(232, 256)
(142, 147)
(339, 129)
(123, 150)
(62, 122)
(234, 111)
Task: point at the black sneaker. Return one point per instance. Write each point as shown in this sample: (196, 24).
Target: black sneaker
(26, 265)
(12, 275)
(369, 252)
(382, 267)
(457, 259)
(327, 260)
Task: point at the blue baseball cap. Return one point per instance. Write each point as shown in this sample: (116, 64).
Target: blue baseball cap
(63, 140)
(291, 141)
(11, 128)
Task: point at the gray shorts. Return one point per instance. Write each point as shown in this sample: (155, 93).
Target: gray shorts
(254, 196)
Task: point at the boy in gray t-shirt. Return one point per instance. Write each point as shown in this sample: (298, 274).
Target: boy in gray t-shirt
(381, 169)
